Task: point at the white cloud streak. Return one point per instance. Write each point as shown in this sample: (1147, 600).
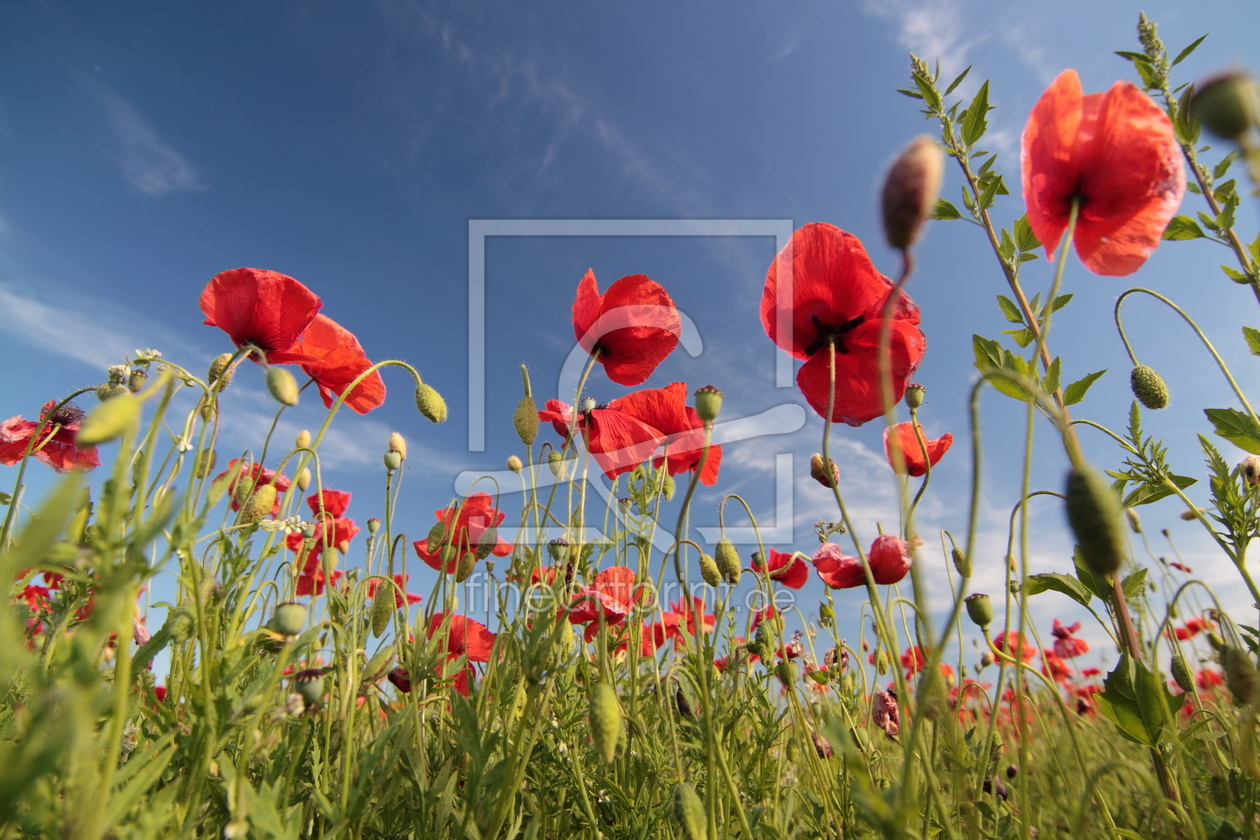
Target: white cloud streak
(149, 164)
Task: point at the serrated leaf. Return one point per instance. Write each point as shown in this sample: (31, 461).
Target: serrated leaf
(1226, 218)
(1236, 276)
(1097, 586)
(1055, 582)
(945, 211)
(1022, 337)
(964, 73)
(1253, 340)
(1186, 52)
(1136, 702)
(930, 97)
(1009, 310)
(1076, 392)
(1006, 247)
(1148, 493)
(1181, 228)
(1208, 221)
(1236, 427)
(975, 119)
(1024, 236)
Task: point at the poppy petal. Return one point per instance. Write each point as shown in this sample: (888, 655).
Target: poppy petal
(858, 399)
(338, 361)
(257, 306)
(903, 438)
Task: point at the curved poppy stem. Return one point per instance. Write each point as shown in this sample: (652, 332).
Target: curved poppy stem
(1070, 442)
(927, 468)
(1242, 398)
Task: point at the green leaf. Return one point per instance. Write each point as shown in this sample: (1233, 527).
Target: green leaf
(1236, 276)
(1053, 581)
(910, 93)
(995, 186)
(1132, 56)
(1208, 221)
(1254, 248)
(945, 211)
(1075, 392)
(5, 498)
(1236, 427)
(1006, 248)
(1223, 167)
(1136, 701)
(1252, 337)
(1226, 217)
(1133, 584)
(1094, 583)
(1051, 380)
(1183, 227)
(1186, 52)
(930, 97)
(1148, 493)
(1009, 310)
(1024, 236)
(1061, 301)
(964, 73)
(975, 119)
(1022, 337)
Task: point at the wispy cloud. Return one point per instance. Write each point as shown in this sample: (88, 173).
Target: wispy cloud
(930, 28)
(97, 339)
(149, 164)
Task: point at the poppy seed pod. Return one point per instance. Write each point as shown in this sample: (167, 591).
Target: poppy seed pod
(1094, 513)
(1240, 674)
(374, 526)
(1149, 387)
(525, 419)
(709, 570)
(302, 439)
(726, 557)
(135, 380)
(1226, 104)
(979, 609)
(309, 684)
(910, 191)
(399, 444)
(467, 562)
(109, 420)
(819, 473)
(260, 503)
(282, 386)
(605, 720)
(589, 404)
(708, 403)
(430, 403)
(393, 460)
(914, 395)
(1181, 671)
(558, 549)
(219, 370)
(289, 619)
(689, 811)
(514, 464)
(787, 671)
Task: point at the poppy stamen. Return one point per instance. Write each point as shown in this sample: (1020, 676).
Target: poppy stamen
(827, 334)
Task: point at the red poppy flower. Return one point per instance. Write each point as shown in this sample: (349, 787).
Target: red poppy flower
(1193, 627)
(259, 476)
(1117, 153)
(1011, 639)
(788, 569)
(913, 660)
(889, 558)
(838, 570)
(312, 583)
(465, 639)
(1208, 679)
(1090, 672)
(1054, 667)
(1182, 567)
(611, 595)
(331, 355)
(337, 530)
(559, 415)
(684, 446)
(903, 438)
(56, 446)
(1066, 645)
(686, 617)
(399, 598)
(837, 295)
(256, 306)
(633, 325)
(885, 714)
(471, 527)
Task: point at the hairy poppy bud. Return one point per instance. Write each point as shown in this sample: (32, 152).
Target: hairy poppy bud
(786, 671)
(986, 659)
(436, 536)
(689, 811)
(1215, 640)
(514, 464)
(668, 487)
(219, 370)
(489, 539)
(1250, 469)
(289, 619)
(962, 563)
(282, 385)
(726, 557)
(302, 439)
(109, 420)
(260, 504)
(605, 720)
(910, 191)
(399, 444)
(392, 459)
(819, 473)
(525, 419)
(1094, 513)
(709, 570)
(304, 479)
(1218, 789)
(382, 606)
(1226, 104)
(979, 609)
(1149, 387)
(555, 463)
(135, 380)
(467, 563)
(108, 391)
(762, 643)
(309, 684)
(1181, 671)
(826, 615)
(1240, 674)
(378, 665)
(206, 459)
(430, 403)
(914, 395)
(182, 625)
(683, 704)
(708, 403)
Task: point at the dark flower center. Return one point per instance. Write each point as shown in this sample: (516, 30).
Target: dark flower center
(827, 334)
(67, 415)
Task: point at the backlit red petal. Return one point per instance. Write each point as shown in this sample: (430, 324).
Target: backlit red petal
(903, 438)
(256, 306)
(339, 360)
(858, 399)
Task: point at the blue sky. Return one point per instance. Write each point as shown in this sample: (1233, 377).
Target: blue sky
(145, 147)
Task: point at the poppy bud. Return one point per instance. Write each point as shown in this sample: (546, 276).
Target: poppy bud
(1215, 640)
(304, 479)
(821, 746)
(260, 505)
(282, 385)
(109, 420)
(436, 536)
(555, 463)
(382, 606)
(708, 403)
(1181, 671)
(309, 684)
(378, 665)
(762, 645)
(881, 662)
(986, 659)
(489, 539)
(1226, 104)
(514, 464)
(289, 619)
(393, 459)
(108, 391)
(786, 671)
(400, 679)
(302, 440)
(182, 625)
(1011, 771)
(605, 720)
(1250, 469)
(910, 191)
(1236, 785)
(668, 488)
(826, 615)
(206, 460)
(399, 444)
(135, 380)
(374, 526)
(1094, 514)
(683, 704)
(709, 570)
(219, 370)
(1149, 387)
(689, 811)
(819, 473)
(558, 549)
(962, 563)
(466, 565)
(430, 403)
(1135, 521)
(525, 419)
(1240, 674)
(914, 395)
(726, 557)
(979, 609)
